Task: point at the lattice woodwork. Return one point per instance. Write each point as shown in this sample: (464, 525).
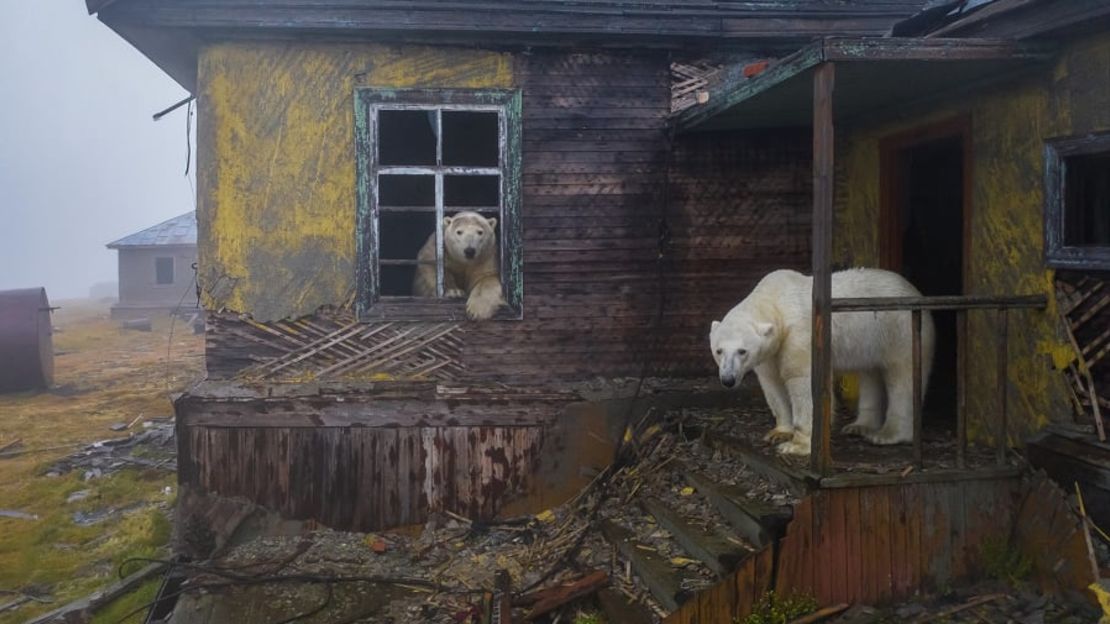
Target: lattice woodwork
(333, 344)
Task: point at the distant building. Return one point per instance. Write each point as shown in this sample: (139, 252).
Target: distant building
(156, 271)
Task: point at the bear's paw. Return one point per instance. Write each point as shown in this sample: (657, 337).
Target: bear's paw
(778, 436)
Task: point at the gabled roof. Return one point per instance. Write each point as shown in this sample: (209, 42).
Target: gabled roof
(180, 230)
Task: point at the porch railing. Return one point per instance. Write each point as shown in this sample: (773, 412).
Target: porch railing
(1001, 305)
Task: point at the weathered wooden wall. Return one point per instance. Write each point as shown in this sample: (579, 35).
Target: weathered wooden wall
(363, 478)
(870, 545)
(278, 197)
(1009, 125)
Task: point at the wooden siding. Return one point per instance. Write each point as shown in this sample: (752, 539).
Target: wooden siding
(595, 188)
(362, 478)
(874, 545)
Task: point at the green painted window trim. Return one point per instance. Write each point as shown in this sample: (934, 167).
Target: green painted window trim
(369, 305)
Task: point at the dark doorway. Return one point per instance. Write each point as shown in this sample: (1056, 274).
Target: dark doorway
(925, 215)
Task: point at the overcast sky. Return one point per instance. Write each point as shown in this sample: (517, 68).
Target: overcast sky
(81, 161)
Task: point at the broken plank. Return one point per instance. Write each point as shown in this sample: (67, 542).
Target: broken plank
(757, 522)
(663, 581)
(716, 552)
(83, 608)
(554, 597)
(618, 610)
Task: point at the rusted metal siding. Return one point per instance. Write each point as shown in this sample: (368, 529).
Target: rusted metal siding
(26, 340)
(362, 478)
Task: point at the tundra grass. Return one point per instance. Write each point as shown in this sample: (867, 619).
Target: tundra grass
(102, 376)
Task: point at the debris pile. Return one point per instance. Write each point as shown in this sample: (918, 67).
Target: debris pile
(152, 447)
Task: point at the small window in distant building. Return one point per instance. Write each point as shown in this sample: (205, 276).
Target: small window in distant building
(163, 270)
(425, 158)
(1077, 202)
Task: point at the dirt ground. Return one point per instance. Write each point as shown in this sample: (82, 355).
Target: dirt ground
(75, 527)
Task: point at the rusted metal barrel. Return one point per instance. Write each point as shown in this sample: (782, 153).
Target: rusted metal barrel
(26, 343)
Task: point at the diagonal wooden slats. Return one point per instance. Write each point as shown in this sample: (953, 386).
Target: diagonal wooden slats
(332, 344)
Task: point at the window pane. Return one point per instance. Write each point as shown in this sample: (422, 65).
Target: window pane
(407, 190)
(1087, 202)
(163, 270)
(406, 137)
(402, 234)
(396, 280)
(470, 139)
(461, 191)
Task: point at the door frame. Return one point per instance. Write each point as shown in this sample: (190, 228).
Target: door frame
(890, 188)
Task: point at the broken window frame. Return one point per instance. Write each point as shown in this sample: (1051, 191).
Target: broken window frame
(1058, 254)
(369, 102)
(158, 274)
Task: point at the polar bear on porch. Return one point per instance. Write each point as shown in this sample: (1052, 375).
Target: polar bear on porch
(769, 332)
(470, 264)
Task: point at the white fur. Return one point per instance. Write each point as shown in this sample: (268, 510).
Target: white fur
(769, 332)
(477, 278)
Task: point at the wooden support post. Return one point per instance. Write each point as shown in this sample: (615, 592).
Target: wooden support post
(918, 455)
(821, 364)
(1003, 383)
(961, 388)
(504, 596)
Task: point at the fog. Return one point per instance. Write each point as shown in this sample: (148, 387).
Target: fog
(81, 161)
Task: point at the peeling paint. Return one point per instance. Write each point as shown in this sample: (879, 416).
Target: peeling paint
(1009, 126)
(276, 183)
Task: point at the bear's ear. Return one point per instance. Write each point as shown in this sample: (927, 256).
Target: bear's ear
(492, 222)
(447, 221)
(764, 329)
(714, 325)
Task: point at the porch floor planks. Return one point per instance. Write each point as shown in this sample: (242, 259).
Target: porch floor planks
(712, 549)
(799, 482)
(663, 581)
(757, 522)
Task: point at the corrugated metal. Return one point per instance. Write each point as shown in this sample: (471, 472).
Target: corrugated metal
(180, 230)
(26, 340)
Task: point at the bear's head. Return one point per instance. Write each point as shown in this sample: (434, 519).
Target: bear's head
(739, 346)
(469, 237)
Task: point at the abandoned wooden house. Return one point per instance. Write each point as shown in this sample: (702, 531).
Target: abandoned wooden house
(641, 165)
(156, 268)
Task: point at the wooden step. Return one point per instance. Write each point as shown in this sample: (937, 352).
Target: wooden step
(758, 522)
(798, 480)
(620, 610)
(714, 550)
(662, 580)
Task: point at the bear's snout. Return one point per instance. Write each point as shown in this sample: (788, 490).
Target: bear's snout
(728, 382)
(470, 252)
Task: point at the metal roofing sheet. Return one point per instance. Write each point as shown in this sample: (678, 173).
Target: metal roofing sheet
(180, 230)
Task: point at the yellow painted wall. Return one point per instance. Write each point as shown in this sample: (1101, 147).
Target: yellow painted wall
(276, 177)
(1009, 127)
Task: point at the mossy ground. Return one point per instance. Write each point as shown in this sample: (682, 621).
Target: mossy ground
(103, 375)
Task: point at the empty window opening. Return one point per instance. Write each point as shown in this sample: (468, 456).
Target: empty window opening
(163, 270)
(1087, 200)
(1077, 202)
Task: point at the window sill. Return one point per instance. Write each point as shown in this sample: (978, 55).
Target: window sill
(418, 309)
(1079, 258)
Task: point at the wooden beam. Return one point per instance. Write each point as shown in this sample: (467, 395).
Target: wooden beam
(662, 580)
(954, 302)
(918, 454)
(824, 79)
(711, 548)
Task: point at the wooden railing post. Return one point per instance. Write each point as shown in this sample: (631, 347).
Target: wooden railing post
(1003, 382)
(918, 454)
(821, 363)
(962, 348)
